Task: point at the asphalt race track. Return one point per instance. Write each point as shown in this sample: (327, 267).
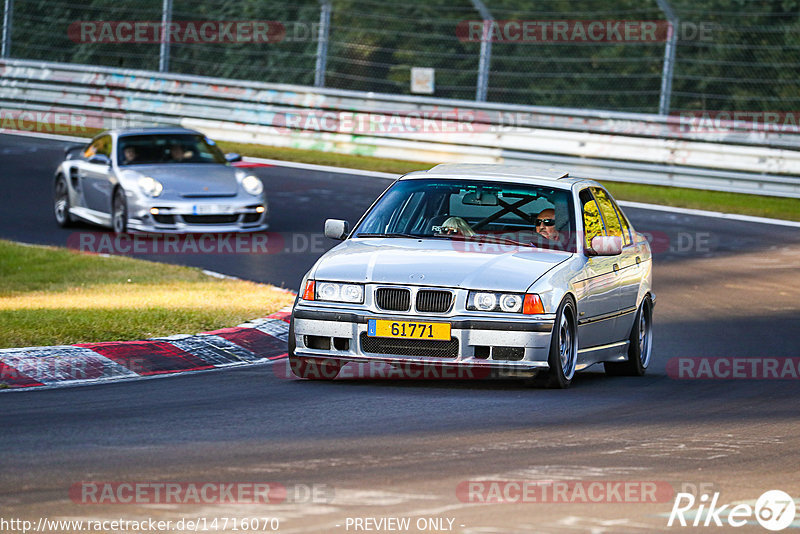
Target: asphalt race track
(374, 449)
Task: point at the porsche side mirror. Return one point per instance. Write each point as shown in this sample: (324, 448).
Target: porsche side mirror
(233, 157)
(100, 159)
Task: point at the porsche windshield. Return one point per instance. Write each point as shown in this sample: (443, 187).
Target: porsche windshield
(167, 149)
(465, 209)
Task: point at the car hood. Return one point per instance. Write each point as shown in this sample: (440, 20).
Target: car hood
(190, 179)
(437, 262)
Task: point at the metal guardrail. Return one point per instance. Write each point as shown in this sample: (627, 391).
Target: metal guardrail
(604, 145)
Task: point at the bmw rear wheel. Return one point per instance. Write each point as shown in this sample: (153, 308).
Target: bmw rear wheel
(640, 344)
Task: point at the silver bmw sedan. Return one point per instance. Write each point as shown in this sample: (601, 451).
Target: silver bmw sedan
(514, 271)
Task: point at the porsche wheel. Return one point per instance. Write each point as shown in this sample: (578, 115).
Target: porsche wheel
(119, 212)
(61, 203)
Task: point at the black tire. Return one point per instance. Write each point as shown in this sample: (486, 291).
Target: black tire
(563, 356)
(640, 346)
(61, 204)
(119, 212)
(310, 368)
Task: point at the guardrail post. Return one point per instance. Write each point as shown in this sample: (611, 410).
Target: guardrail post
(482, 85)
(669, 57)
(166, 19)
(8, 12)
(322, 42)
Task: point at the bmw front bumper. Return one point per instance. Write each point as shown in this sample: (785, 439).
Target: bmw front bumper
(513, 346)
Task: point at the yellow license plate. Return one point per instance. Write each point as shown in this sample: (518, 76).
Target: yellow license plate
(408, 329)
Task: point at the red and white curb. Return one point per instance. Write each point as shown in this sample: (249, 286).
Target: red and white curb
(257, 341)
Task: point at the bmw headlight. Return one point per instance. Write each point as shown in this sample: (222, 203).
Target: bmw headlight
(252, 185)
(150, 186)
(336, 292)
(494, 302)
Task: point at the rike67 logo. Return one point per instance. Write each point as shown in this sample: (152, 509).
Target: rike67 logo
(774, 510)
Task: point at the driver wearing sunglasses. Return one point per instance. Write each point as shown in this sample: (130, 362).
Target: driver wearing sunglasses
(546, 224)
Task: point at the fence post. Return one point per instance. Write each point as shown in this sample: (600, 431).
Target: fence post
(322, 42)
(485, 60)
(166, 20)
(669, 57)
(8, 12)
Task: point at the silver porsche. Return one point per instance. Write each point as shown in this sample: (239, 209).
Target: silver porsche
(514, 271)
(157, 180)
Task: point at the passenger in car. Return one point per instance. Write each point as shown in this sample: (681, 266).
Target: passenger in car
(457, 225)
(129, 155)
(178, 153)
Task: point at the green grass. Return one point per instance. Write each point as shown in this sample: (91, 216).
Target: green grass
(367, 163)
(52, 296)
(761, 206)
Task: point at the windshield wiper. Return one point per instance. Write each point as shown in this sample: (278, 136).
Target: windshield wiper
(498, 239)
(392, 234)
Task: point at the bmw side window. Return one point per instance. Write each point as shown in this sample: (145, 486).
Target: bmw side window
(626, 227)
(609, 214)
(592, 223)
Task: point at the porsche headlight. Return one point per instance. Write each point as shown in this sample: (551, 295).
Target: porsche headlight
(252, 185)
(150, 186)
(334, 292)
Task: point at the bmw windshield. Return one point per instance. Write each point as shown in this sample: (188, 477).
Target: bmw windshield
(525, 215)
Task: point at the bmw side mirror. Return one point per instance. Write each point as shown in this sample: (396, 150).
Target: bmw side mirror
(336, 229)
(606, 245)
(100, 159)
(233, 157)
